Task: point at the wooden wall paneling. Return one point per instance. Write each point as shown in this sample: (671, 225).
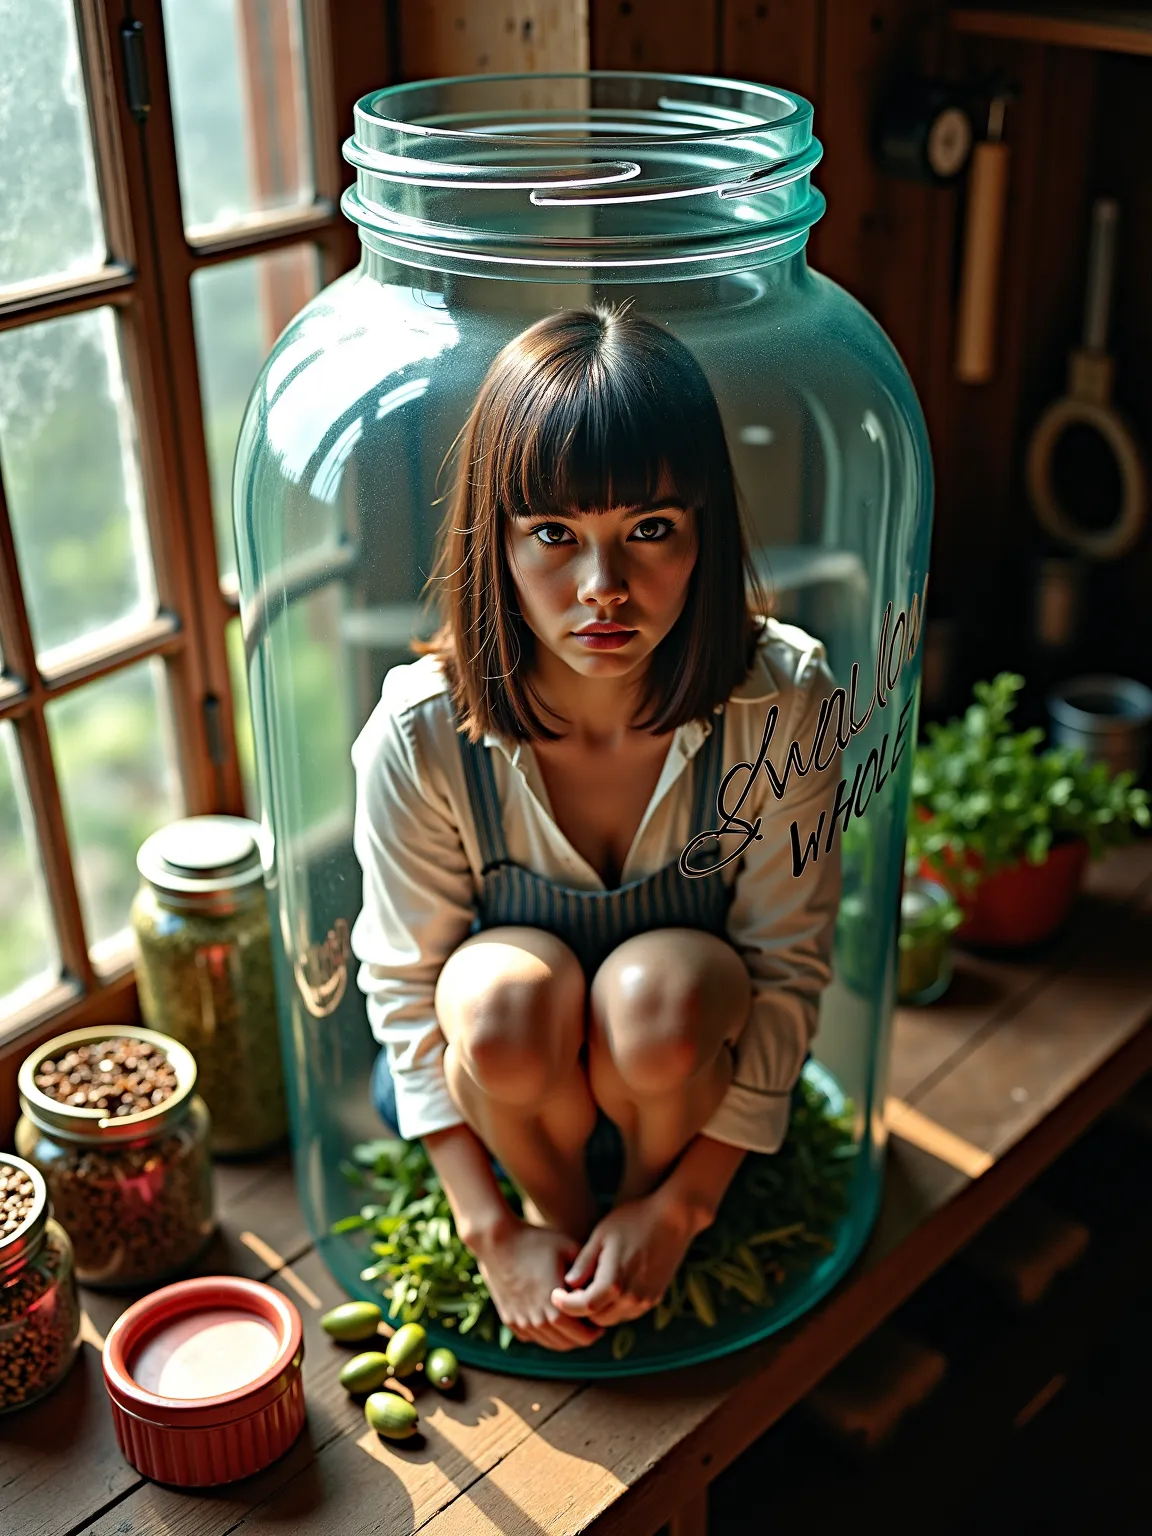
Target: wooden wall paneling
(676, 35)
(982, 529)
(361, 62)
(775, 42)
(1055, 278)
(469, 37)
(876, 234)
(1120, 616)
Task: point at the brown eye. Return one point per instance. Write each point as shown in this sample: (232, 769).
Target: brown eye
(652, 522)
(548, 527)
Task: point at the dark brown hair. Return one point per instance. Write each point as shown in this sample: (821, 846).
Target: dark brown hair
(582, 411)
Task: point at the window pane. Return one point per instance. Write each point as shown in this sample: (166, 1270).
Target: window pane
(50, 221)
(71, 469)
(245, 744)
(112, 742)
(29, 957)
(238, 102)
(239, 309)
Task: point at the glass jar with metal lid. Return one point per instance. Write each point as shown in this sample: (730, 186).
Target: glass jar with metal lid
(131, 1186)
(39, 1307)
(204, 967)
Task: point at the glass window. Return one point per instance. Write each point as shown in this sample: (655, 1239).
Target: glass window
(71, 467)
(119, 781)
(50, 219)
(239, 309)
(239, 107)
(29, 956)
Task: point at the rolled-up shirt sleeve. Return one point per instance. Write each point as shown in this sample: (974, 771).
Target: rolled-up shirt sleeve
(418, 906)
(783, 925)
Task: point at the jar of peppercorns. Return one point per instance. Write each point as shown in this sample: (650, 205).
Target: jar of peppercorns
(39, 1308)
(204, 968)
(116, 1127)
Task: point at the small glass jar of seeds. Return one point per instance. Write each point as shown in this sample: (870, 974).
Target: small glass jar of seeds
(39, 1308)
(116, 1127)
(204, 967)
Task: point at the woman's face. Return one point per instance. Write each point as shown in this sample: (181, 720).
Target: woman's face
(628, 566)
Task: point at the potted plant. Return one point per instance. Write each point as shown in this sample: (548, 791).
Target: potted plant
(1007, 827)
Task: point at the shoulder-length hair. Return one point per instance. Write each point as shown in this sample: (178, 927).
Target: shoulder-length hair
(585, 410)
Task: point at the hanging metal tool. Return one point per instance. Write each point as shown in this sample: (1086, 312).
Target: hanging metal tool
(1086, 409)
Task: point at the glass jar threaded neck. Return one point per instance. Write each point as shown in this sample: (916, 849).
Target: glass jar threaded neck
(622, 175)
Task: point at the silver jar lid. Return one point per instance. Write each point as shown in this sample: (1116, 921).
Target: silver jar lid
(203, 859)
(20, 1245)
(94, 1126)
(919, 898)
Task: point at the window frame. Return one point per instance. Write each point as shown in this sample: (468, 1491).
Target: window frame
(147, 279)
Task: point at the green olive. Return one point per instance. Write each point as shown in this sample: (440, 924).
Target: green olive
(392, 1415)
(407, 1348)
(441, 1368)
(366, 1372)
(352, 1321)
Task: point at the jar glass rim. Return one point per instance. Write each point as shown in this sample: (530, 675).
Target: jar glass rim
(798, 106)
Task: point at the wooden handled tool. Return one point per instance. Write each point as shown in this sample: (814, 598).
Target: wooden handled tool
(983, 250)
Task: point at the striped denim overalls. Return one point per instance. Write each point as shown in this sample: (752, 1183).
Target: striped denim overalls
(591, 922)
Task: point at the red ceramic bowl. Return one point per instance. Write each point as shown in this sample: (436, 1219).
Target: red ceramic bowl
(205, 1380)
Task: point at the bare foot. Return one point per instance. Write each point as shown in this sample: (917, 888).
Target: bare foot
(522, 1266)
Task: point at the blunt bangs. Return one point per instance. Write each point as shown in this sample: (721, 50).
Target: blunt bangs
(603, 430)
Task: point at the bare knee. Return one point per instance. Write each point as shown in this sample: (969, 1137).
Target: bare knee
(517, 1007)
(663, 1015)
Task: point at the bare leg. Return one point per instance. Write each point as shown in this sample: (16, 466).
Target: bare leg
(511, 1004)
(662, 1009)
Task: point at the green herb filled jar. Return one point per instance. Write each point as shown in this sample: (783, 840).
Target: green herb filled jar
(39, 1307)
(204, 967)
(115, 1126)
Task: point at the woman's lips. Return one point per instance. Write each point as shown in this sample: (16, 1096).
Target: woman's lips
(602, 641)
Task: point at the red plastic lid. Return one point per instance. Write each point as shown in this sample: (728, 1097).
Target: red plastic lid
(204, 1352)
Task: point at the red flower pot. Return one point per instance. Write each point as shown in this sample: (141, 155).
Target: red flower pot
(1022, 903)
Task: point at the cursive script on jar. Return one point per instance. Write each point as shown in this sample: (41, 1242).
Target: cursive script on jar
(838, 722)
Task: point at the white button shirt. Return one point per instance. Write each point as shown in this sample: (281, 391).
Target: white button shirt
(416, 842)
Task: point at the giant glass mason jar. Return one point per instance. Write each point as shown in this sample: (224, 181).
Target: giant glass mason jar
(648, 233)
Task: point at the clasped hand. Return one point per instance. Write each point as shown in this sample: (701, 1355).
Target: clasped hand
(628, 1261)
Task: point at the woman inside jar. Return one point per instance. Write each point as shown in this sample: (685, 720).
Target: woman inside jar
(600, 942)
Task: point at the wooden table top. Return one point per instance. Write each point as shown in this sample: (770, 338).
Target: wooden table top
(987, 1087)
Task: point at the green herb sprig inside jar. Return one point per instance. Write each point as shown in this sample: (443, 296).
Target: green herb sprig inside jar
(39, 1307)
(119, 1133)
(204, 968)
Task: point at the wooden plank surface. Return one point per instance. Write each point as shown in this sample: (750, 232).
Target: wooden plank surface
(59, 1461)
(514, 1455)
(987, 991)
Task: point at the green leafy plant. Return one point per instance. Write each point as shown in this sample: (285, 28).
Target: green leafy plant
(985, 796)
(776, 1217)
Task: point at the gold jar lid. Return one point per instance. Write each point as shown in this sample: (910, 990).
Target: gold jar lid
(94, 1125)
